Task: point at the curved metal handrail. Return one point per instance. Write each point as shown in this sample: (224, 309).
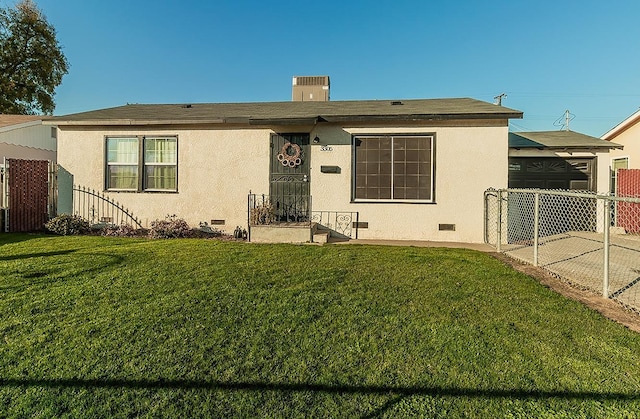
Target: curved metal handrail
(98, 208)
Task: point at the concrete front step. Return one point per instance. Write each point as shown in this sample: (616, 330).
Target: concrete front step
(321, 237)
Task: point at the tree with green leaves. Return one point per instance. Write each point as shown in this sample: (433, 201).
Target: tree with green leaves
(31, 61)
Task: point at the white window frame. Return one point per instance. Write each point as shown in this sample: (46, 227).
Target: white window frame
(614, 173)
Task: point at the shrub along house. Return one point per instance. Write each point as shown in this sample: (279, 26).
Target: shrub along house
(405, 169)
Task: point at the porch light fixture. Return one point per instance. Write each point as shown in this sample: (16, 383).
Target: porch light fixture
(316, 140)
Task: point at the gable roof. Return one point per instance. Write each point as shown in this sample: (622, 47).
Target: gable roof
(622, 126)
(559, 140)
(260, 113)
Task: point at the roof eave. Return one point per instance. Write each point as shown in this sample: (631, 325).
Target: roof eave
(419, 117)
(570, 148)
(305, 120)
(622, 126)
(285, 121)
(138, 122)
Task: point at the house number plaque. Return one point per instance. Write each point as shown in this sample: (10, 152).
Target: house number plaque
(326, 148)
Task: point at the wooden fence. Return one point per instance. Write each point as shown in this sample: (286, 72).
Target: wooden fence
(28, 195)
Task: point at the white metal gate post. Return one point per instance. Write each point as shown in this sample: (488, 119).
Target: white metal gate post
(4, 199)
(607, 228)
(499, 223)
(536, 226)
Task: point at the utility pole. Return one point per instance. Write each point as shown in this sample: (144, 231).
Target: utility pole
(499, 98)
(567, 119)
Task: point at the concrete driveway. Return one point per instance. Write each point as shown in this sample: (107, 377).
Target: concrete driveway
(578, 257)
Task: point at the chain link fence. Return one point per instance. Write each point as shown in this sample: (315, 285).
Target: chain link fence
(589, 240)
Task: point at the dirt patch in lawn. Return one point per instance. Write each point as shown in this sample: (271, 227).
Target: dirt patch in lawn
(607, 307)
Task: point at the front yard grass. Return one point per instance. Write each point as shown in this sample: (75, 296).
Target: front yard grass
(102, 327)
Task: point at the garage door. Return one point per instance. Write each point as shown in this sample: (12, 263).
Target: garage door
(552, 173)
(560, 214)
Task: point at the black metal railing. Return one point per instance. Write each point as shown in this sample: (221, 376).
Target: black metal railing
(97, 208)
(340, 223)
(271, 209)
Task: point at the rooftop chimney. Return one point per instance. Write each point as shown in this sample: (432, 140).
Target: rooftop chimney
(310, 88)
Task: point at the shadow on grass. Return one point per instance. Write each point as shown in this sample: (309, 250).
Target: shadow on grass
(10, 238)
(320, 388)
(51, 275)
(36, 255)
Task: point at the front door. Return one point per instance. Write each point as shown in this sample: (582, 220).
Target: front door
(289, 177)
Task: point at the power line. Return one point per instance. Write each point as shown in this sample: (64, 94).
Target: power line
(564, 120)
(519, 127)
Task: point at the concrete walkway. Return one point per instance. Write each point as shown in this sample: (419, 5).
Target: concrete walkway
(481, 247)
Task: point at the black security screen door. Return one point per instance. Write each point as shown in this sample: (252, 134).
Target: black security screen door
(289, 177)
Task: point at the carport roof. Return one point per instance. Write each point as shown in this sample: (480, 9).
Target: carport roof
(558, 140)
(261, 113)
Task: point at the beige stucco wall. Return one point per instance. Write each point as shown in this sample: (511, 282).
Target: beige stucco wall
(630, 139)
(468, 161)
(218, 167)
(216, 171)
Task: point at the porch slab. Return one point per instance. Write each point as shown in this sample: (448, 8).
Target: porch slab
(282, 233)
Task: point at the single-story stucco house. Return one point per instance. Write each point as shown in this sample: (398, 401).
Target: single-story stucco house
(403, 169)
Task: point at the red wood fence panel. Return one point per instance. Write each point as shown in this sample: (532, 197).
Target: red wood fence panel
(28, 194)
(627, 213)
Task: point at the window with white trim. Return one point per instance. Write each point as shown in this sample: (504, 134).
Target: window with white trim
(140, 163)
(617, 163)
(393, 168)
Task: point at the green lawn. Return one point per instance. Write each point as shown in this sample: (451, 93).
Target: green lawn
(95, 327)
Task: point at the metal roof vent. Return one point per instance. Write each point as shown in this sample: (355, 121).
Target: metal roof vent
(310, 88)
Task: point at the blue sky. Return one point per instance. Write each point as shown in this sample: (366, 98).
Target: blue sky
(547, 56)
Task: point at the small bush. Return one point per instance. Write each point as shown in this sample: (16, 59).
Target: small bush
(170, 228)
(122, 230)
(263, 213)
(67, 225)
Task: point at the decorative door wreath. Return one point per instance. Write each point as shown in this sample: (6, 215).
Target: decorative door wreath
(291, 160)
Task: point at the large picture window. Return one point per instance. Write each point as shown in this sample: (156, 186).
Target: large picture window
(141, 163)
(393, 168)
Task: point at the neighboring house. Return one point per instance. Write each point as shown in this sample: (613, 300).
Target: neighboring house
(408, 169)
(23, 137)
(559, 160)
(626, 133)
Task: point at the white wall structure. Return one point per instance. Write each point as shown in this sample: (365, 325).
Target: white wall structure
(25, 137)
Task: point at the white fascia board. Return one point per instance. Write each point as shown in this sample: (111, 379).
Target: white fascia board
(622, 126)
